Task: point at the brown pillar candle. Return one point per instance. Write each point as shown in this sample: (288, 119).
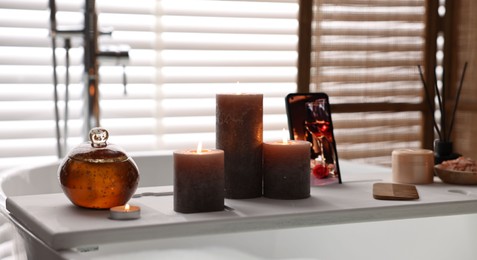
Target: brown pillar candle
(198, 180)
(286, 169)
(239, 130)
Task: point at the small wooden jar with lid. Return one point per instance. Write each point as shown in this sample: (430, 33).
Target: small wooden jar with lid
(413, 166)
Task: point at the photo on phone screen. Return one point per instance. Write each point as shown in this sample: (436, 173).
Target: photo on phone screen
(309, 118)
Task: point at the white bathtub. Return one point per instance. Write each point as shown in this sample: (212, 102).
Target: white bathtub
(450, 237)
(155, 168)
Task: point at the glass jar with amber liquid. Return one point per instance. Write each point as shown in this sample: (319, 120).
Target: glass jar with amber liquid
(98, 175)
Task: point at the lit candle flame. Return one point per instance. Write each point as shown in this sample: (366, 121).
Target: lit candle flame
(199, 147)
(126, 207)
(284, 136)
(237, 91)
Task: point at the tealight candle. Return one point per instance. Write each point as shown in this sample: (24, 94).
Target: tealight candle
(239, 132)
(286, 169)
(198, 180)
(125, 212)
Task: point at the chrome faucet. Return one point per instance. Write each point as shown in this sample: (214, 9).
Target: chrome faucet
(91, 78)
(92, 55)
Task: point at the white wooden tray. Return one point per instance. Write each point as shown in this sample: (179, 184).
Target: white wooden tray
(54, 220)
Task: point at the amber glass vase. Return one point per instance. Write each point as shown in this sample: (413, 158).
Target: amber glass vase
(97, 174)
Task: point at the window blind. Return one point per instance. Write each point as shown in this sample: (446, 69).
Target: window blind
(214, 47)
(459, 49)
(181, 54)
(365, 54)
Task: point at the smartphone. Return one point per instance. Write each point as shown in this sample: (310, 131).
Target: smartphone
(309, 118)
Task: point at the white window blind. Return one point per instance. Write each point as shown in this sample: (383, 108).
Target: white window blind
(181, 54)
(223, 46)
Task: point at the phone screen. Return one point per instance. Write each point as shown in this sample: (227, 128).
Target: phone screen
(309, 118)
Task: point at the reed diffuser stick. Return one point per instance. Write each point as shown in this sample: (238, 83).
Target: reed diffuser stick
(444, 109)
(440, 101)
(429, 102)
(456, 102)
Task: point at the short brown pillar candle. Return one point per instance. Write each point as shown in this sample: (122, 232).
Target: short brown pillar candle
(286, 169)
(239, 132)
(198, 180)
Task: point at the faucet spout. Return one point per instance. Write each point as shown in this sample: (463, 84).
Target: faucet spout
(91, 68)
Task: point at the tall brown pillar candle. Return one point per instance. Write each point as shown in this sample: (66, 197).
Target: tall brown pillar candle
(239, 132)
(198, 180)
(286, 169)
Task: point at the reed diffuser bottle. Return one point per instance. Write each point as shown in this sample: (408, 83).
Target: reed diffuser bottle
(443, 146)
